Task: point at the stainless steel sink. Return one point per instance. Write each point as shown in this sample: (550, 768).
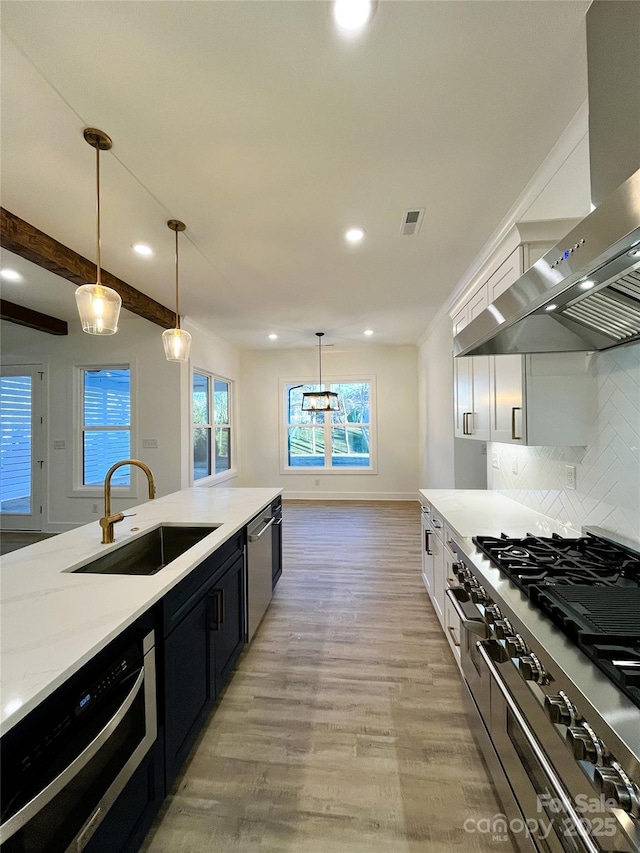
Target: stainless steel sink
(150, 553)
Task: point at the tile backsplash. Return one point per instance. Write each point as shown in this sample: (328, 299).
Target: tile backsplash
(607, 471)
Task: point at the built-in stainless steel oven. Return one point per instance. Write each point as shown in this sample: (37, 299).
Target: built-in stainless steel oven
(64, 765)
(561, 785)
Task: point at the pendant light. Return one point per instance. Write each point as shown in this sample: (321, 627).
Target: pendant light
(98, 306)
(320, 401)
(177, 342)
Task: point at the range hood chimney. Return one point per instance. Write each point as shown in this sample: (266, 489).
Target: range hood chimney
(585, 293)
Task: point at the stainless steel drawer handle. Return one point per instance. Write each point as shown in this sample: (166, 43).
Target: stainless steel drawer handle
(253, 537)
(427, 547)
(54, 787)
(549, 772)
(474, 626)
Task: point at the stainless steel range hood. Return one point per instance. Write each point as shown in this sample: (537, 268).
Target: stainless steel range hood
(582, 295)
(585, 293)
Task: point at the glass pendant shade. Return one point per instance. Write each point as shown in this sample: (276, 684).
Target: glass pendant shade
(98, 306)
(320, 401)
(99, 309)
(177, 344)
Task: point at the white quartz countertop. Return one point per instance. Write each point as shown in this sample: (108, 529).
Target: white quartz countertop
(478, 512)
(54, 621)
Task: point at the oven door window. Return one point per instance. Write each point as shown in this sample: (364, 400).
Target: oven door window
(551, 817)
(56, 825)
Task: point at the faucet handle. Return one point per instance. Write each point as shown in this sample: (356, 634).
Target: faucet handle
(128, 514)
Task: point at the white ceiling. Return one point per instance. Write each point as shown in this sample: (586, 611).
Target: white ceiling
(269, 135)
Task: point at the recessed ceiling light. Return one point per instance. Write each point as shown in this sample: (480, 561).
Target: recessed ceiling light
(10, 275)
(142, 249)
(273, 337)
(352, 15)
(587, 285)
(368, 331)
(550, 307)
(354, 235)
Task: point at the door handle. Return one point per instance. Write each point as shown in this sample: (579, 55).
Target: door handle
(427, 549)
(253, 537)
(217, 598)
(465, 423)
(515, 409)
(473, 626)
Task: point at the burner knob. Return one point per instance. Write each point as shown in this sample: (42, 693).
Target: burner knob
(515, 646)
(615, 785)
(557, 710)
(531, 668)
(584, 745)
(470, 583)
(503, 628)
(479, 595)
(461, 572)
(492, 613)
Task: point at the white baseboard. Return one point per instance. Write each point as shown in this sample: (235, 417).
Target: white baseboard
(318, 495)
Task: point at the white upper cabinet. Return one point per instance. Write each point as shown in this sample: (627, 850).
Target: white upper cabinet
(471, 397)
(518, 399)
(541, 400)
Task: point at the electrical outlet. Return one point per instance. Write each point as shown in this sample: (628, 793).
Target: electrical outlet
(317, 482)
(514, 464)
(150, 443)
(94, 508)
(483, 448)
(570, 476)
(495, 460)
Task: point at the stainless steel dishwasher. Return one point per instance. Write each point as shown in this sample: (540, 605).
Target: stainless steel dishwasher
(259, 569)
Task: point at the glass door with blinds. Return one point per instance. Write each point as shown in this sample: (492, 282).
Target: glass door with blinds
(21, 447)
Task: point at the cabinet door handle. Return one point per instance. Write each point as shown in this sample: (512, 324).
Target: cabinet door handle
(515, 409)
(465, 423)
(451, 630)
(217, 600)
(427, 549)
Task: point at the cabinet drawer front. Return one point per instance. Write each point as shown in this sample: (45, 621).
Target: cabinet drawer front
(177, 603)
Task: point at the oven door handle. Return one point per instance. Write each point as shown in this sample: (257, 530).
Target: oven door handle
(474, 626)
(20, 818)
(550, 773)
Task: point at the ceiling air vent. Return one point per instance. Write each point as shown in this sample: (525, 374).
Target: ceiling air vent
(411, 222)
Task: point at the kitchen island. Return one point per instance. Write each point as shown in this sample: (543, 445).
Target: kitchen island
(55, 620)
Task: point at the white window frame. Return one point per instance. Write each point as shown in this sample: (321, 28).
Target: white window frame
(283, 428)
(78, 489)
(213, 479)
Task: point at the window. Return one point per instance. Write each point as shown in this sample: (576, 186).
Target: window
(211, 416)
(106, 423)
(335, 441)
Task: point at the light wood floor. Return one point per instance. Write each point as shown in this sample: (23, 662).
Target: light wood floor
(343, 729)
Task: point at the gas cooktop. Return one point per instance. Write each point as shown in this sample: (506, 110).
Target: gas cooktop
(589, 587)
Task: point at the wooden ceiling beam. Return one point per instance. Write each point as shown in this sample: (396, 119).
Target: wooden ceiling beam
(22, 316)
(25, 240)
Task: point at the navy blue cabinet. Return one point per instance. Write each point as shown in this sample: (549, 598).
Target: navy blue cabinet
(204, 635)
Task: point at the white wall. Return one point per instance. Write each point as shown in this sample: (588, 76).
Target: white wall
(607, 492)
(155, 401)
(395, 370)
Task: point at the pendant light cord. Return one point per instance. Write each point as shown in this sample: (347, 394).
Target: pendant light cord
(320, 362)
(98, 264)
(177, 303)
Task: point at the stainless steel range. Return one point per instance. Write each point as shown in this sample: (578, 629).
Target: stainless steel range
(551, 657)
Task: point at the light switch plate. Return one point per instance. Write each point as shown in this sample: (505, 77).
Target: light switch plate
(570, 476)
(495, 460)
(150, 443)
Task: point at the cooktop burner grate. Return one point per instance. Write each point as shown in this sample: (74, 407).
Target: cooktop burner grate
(605, 624)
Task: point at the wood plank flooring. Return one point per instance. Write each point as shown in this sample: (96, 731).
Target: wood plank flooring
(343, 729)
